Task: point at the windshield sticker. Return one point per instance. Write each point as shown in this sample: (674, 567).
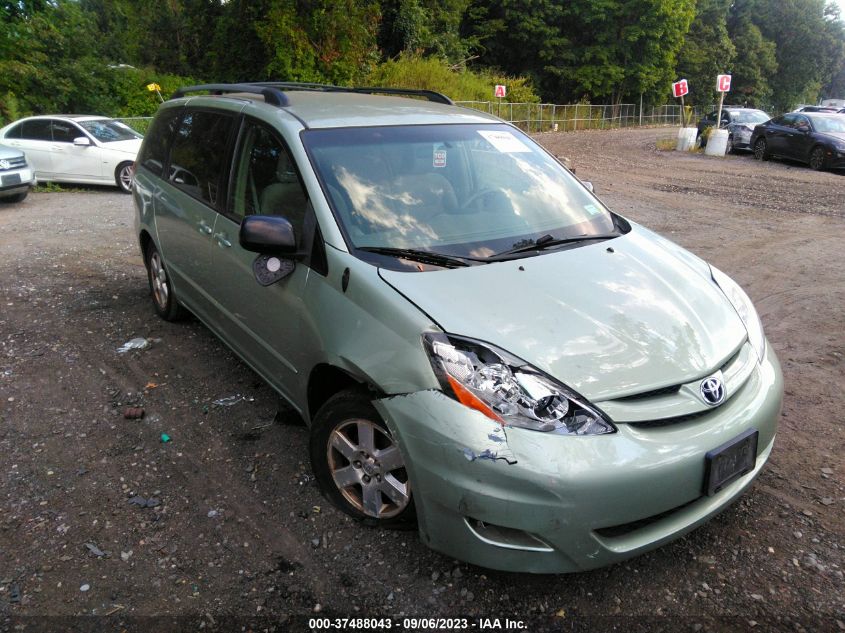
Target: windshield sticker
(505, 142)
(591, 209)
(439, 156)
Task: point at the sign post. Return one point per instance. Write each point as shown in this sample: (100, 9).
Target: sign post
(679, 89)
(723, 85)
(500, 92)
(156, 89)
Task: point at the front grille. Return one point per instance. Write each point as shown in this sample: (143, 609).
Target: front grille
(14, 163)
(652, 424)
(665, 391)
(624, 529)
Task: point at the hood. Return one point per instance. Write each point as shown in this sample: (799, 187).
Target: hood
(9, 152)
(129, 147)
(608, 324)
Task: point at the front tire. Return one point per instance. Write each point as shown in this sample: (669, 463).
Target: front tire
(164, 299)
(123, 177)
(817, 159)
(18, 197)
(761, 149)
(730, 149)
(358, 464)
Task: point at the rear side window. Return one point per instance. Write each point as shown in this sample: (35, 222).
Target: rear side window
(37, 130)
(198, 157)
(153, 154)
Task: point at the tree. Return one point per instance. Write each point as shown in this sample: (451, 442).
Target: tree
(756, 64)
(707, 50)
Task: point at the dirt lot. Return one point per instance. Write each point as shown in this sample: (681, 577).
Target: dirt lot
(240, 529)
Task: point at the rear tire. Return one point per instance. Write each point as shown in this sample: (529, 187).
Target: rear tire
(730, 145)
(358, 464)
(164, 298)
(761, 149)
(817, 158)
(123, 177)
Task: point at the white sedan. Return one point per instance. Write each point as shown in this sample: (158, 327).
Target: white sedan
(73, 148)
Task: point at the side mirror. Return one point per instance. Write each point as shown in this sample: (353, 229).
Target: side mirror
(268, 235)
(272, 237)
(588, 185)
(804, 128)
(82, 141)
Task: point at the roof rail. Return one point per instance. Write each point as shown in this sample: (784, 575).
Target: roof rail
(274, 91)
(429, 95)
(271, 94)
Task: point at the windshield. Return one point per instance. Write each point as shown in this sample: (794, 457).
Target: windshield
(107, 131)
(752, 116)
(463, 190)
(828, 124)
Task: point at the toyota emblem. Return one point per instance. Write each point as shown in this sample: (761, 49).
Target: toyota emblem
(713, 390)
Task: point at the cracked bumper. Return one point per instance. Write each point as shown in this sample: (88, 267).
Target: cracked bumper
(561, 490)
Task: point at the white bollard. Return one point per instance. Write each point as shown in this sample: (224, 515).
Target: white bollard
(686, 139)
(717, 143)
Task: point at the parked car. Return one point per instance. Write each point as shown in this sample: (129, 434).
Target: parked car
(817, 139)
(73, 148)
(739, 122)
(816, 109)
(16, 176)
(476, 342)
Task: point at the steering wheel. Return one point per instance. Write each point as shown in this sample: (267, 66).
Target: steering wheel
(470, 203)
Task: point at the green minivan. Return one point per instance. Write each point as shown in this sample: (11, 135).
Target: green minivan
(479, 347)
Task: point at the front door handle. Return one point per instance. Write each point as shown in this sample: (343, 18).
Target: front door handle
(204, 228)
(221, 240)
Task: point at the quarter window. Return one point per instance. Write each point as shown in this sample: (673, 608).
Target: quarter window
(198, 156)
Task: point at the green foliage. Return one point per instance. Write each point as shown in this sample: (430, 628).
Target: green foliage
(321, 41)
(424, 27)
(707, 51)
(429, 73)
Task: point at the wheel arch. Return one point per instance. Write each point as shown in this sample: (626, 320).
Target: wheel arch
(325, 380)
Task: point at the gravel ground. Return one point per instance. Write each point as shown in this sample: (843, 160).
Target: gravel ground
(223, 524)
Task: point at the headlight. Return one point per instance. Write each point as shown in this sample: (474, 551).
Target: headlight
(509, 390)
(744, 308)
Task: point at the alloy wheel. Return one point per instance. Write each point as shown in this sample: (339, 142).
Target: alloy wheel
(158, 277)
(817, 158)
(368, 469)
(124, 177)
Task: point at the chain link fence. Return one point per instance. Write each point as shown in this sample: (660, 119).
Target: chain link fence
(546, 117)
(550, 117)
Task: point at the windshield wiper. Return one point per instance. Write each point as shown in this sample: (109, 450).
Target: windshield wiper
(547, 241)
(424, 257)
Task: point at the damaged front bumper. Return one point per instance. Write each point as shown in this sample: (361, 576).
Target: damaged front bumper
(520, 500)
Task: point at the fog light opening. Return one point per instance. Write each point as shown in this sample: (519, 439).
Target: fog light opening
(508, 538)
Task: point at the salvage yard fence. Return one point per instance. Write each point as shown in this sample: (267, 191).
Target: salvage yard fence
(551, 117)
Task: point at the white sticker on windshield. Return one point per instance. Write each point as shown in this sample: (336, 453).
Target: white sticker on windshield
(591, 209)
(505, 142)
(439, 156)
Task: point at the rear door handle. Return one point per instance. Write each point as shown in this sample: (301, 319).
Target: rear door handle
(221, 240)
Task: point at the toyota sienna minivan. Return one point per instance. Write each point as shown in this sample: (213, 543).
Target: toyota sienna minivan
(479, 346)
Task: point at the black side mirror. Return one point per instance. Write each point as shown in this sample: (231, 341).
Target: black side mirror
(804, 128)
(268, 235)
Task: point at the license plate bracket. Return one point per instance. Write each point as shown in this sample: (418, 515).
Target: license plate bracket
(730, 461)
(11, 179)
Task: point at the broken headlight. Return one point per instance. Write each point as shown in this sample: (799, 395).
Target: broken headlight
(744, 308)
(509, 390)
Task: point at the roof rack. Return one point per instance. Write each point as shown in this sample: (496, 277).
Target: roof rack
(274, 91)
(271, 94)
(429, 95)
